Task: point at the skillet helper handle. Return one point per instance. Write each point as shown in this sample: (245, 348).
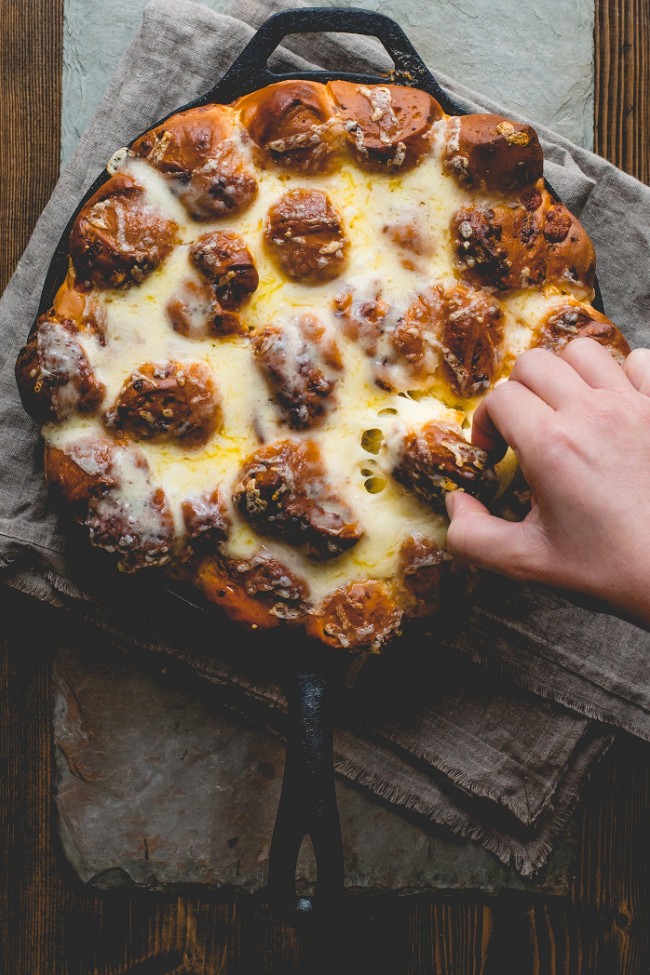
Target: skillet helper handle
(307, 804)
(250, 71)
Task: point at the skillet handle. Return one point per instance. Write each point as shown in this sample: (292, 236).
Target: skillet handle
(250, 71)
(307, 804)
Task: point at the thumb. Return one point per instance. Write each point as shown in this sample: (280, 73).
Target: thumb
(477, 537)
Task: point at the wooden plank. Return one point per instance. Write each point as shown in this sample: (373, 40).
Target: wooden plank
(622, 84)
(31, 46)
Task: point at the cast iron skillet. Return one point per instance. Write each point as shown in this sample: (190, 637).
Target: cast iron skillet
(307, 806)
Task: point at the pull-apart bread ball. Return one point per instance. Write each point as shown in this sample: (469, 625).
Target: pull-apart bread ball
(305, 235)
(227, 276)
(488, 152)
(55, 377)
(283, 490)
(362, 615)
(206, 518)
(82, 470)
(437, 459)
(111, 488)
(572, 320)
(118, 238)
(454, 333)
(258, 592)
(302, 364)
(200, 153)
(279, 316)
(386, 125)
(521, 244)
(293, 125)
(168, 401)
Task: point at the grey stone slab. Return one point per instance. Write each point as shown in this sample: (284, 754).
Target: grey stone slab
(158, 785)
(535, 58)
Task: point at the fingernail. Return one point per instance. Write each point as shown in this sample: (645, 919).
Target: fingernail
(450, 501)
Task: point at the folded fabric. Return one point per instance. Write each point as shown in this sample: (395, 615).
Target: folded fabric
(462, 748)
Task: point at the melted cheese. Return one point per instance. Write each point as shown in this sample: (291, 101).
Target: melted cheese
(138, 331)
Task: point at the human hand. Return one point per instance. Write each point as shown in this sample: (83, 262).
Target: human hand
(580, 426)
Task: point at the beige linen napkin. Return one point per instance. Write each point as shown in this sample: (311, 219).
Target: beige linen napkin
(454, 743)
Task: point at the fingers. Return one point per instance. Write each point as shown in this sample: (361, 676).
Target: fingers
(477, 537)
(637, 369)
(594, 364)
(509, 415)
(548, 376)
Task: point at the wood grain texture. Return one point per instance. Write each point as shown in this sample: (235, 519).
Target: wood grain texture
(31, 50)
(622, 84)
(51, 925)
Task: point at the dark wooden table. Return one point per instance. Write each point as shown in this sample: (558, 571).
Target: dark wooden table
(51, 925)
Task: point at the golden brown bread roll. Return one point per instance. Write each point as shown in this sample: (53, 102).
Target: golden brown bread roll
(193, 310)
(305, 234)
(572, 321)
(437, 459)
(301, 364)
(206, 519)
(283, 491)
(225, 261)
(118, 238)
(167, 401)
(471, 339)
(54, 374)
(432, 579)
(386, 125)
(76, 303)
(293, 125)
(523, 244)
(199, 154)
(82, 471)
(362, 615)
(142, 536)
(490, 152)
(227, 278)
(258, 592)
(455, 331)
